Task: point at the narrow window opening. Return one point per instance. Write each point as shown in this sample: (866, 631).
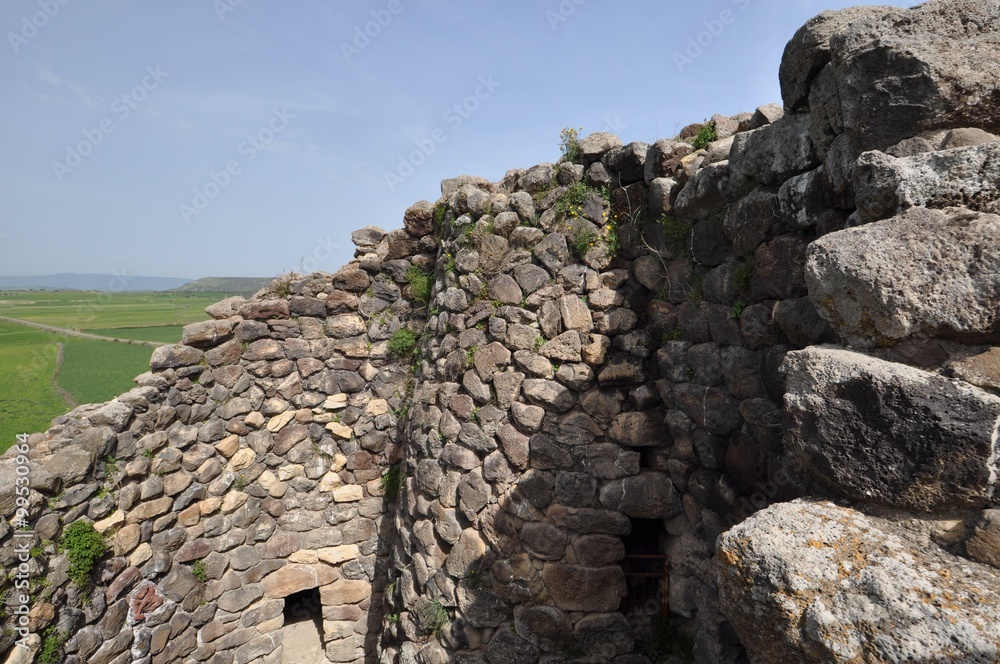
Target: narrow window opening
(645, 567)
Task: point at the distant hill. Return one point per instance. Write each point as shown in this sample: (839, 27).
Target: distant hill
(91, 282)
(229, 285)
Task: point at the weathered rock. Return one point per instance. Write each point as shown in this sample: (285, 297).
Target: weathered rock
(264, 309)
(552, 252)
(933, 273)
(538, 178)
(808, 52)
(506, 647)
(900, 72)
(549, 394)
(748, 223)
(888, 433)
(575, 588)
(225, 308)
(705, 193)
(419, 219)
(206, 334)
(982, 370)
(72, 464)
(368, 237)
(813, 582)
(984, 544)
(593, 146)
(171, 357)
(962, 177)
(545, 627)
(648, 495)
(772, 154)
(626, 164)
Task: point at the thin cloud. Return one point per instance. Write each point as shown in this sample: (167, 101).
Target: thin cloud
(49, 77)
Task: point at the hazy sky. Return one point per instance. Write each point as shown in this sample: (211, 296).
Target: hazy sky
(250, 137)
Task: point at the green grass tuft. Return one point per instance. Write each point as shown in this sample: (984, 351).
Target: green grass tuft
(52, 643)
(402, 343)
(421, 284)
(84, 547)
(432, 616)
(705, 136)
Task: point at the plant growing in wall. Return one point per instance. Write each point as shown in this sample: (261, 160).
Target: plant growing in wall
(402, 343)
(84, 546)
(676, 232)
(705, 136)
(421, 283)
(432, 615)
(742, 274)
(52, 643)
(569, 145)
(199, 571)
(738, 309)
(392, 481)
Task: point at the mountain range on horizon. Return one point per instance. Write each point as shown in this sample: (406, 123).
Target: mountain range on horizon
(126, 283)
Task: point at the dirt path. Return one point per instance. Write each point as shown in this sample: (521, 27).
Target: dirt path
(66, 396)
(82, 335)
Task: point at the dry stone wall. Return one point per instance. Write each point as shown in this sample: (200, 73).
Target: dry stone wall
(246, 467)
(466, 442)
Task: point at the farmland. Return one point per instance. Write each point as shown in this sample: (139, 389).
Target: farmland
(28, 398)
(77, 310)
(33, 393)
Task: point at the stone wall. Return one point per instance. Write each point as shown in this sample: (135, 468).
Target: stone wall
(462, 436)
(246, 466)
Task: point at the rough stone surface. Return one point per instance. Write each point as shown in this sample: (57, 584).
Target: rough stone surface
(903, 71)
(772, 154)
(813, 582)
(968, 177)
(884, 432)
(933, 273)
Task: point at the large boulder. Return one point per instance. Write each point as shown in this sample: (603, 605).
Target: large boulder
(808, 51)
(889, 433)
(967, 177)
(899, 72)
(923, 272)
(812, 582)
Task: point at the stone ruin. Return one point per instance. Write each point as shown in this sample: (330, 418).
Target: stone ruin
(727, 397)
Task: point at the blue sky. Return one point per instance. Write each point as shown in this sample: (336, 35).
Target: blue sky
(249, 138)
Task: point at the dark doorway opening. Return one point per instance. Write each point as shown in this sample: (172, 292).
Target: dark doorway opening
(645, 567)
(302, 606)
(303, 630)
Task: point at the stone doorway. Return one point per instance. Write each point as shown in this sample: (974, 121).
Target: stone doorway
(302, 640)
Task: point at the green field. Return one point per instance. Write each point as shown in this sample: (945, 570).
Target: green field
(28, 400)
(168, 334)
(77, 310)
(92, 371)
(95, 371)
